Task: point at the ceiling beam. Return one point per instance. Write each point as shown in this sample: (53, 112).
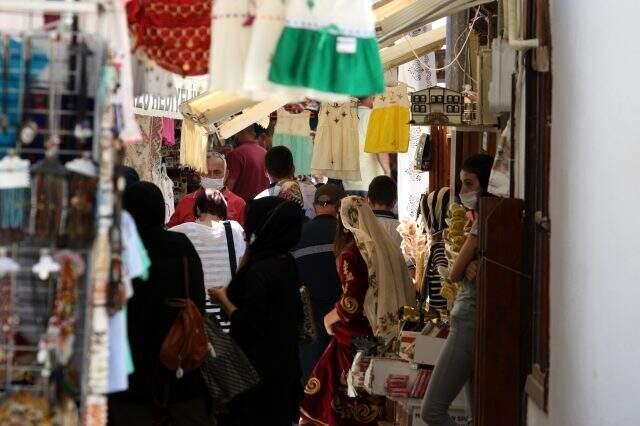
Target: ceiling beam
(403, 51)
(420, 12)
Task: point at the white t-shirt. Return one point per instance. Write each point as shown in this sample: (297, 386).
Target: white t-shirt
(211, 244)
(390, 224)
(308, 195)
(369, 165)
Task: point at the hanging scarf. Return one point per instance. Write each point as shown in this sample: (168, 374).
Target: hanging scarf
(80, 220)
(48, 199)
(390, 286)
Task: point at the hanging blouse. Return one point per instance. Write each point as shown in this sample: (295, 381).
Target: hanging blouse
(335, 149)
(388, 130)
(266, 30)
(168, 131)
(175, 34)
(231, 31)
(329, 48)
(293, 132)
(145, 158)
(114, 30)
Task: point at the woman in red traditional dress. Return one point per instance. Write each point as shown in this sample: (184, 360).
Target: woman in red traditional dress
(375, 284)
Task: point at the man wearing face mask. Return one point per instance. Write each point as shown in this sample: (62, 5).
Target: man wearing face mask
(214, 179)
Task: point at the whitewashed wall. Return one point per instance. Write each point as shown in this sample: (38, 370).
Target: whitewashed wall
(595, 200)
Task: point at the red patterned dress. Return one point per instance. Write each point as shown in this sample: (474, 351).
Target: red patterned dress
(325, 400)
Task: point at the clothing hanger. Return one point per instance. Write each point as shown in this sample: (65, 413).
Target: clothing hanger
(7, 265)
(83, 166)
(46, 265)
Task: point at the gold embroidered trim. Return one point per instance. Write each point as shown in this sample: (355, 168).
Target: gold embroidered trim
(310, 417)
(349, 304)
(313, 386)
(348, 276)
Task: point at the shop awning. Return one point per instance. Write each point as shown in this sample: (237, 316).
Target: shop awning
(249, 116)
(403, 51)
(401, 16)
(213, 107)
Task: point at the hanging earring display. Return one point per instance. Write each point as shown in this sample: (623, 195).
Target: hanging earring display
(14, 192)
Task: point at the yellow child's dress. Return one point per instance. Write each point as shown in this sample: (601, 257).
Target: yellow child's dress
(388, 130)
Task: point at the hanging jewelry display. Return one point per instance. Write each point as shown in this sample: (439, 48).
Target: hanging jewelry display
(48, 197)
(83, 183)
(56, 345)
(15, 185)
(8, 318)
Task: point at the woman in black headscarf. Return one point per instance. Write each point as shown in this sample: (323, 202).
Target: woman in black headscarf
(155, 396)
(263, 303)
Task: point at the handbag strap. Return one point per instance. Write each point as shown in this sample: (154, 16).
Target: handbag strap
(233, 262)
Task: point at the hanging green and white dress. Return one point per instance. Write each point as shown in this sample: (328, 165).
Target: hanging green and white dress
(293, 132)
(329, 49)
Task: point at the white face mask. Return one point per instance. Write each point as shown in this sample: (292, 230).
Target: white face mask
(208, 183)
(469, 200)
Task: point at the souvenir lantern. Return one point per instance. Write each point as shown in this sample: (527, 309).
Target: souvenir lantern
(437, 105)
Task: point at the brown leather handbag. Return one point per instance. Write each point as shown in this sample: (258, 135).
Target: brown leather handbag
(186, 346)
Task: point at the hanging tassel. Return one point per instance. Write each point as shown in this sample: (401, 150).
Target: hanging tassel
(14, 203)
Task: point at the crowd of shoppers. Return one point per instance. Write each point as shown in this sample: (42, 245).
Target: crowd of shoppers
(249, 254)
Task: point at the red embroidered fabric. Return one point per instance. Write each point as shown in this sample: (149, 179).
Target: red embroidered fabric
(176, 34)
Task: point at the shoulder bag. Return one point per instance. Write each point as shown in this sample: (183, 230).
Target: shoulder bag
(185, 348)
(227, 371)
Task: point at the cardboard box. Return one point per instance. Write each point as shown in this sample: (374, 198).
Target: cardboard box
(381, 368)
(427, 349)
(459, 417)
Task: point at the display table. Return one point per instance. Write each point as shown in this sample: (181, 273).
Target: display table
(406, 410)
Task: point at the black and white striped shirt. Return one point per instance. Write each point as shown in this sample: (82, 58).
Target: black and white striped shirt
(432, 279)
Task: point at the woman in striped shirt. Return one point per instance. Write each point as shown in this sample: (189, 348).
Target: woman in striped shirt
(434, 211)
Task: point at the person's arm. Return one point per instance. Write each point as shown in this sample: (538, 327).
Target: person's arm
(355, 282)
(241, 207)
(465, 257)
(384, 161)
(220, 295)
(234, 163)
(181, 214)
(249, 320)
